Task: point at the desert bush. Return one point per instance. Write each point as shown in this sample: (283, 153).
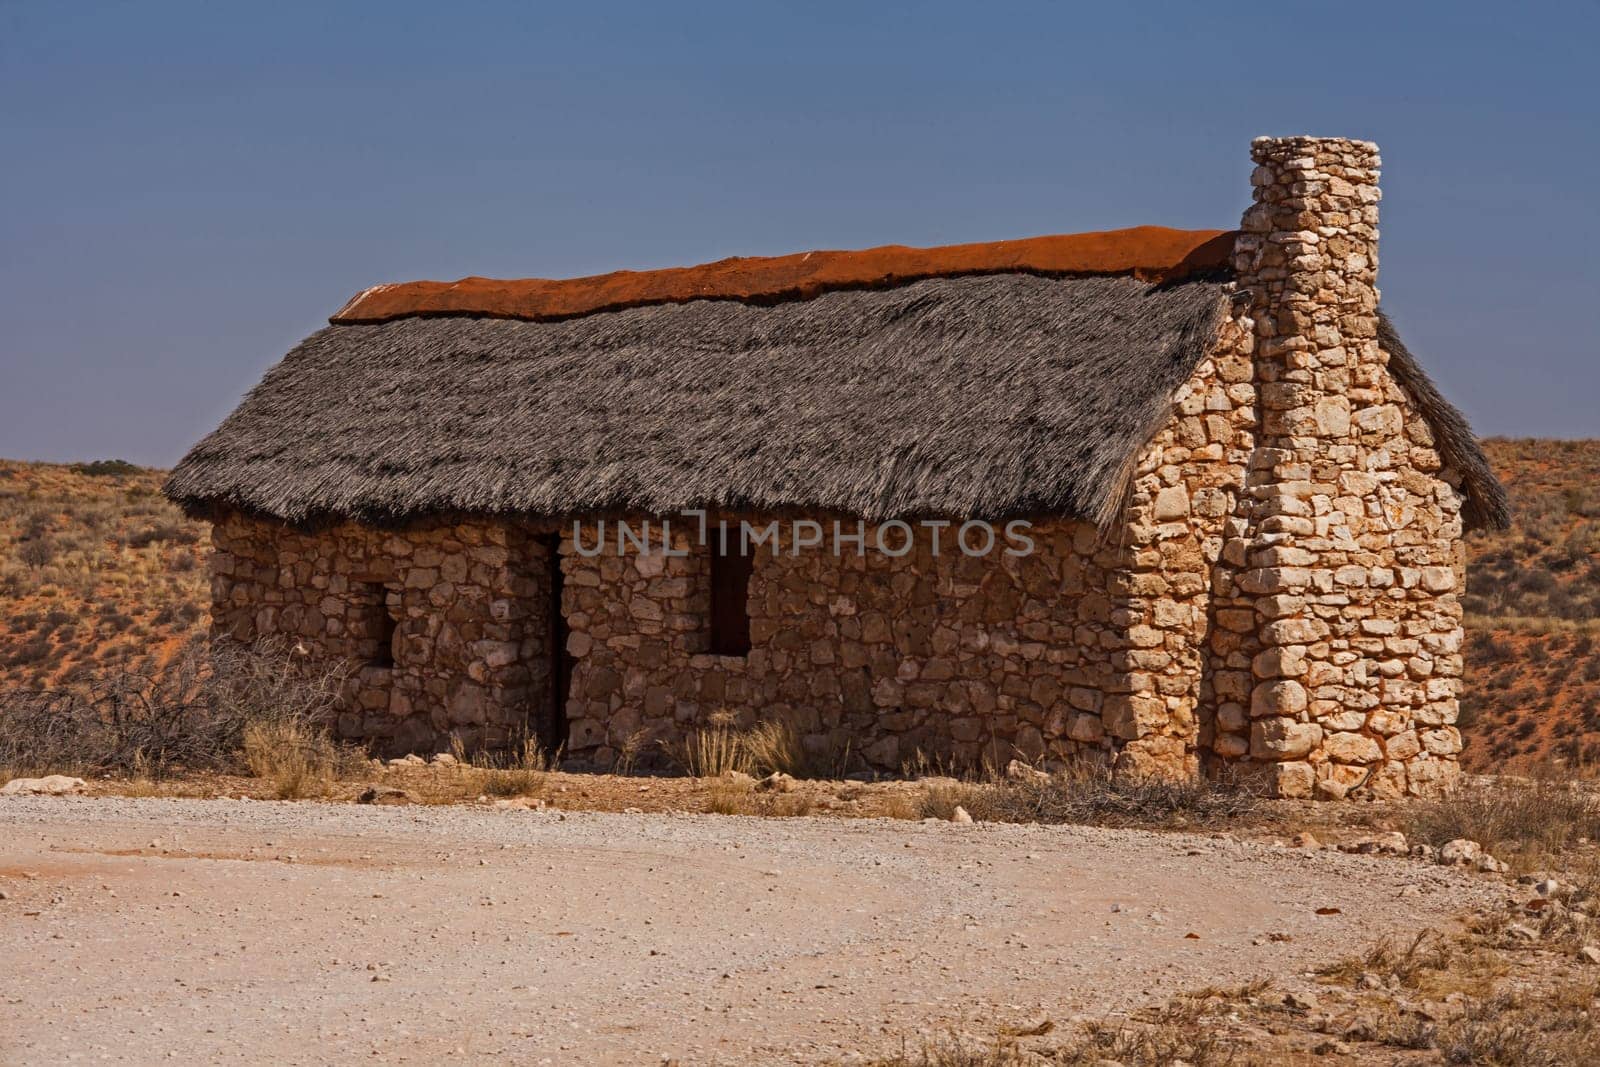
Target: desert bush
(1086, 794)
(192, 713)
(776, 746)
(628, 750)
(1510, 817)
(712, 751)
(1521, 1029)
(168, 532)
(114, 468)
(516, 770)
(37, 553)
(296, 756)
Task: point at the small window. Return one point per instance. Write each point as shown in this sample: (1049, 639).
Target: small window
(383, 610)
(730, 599)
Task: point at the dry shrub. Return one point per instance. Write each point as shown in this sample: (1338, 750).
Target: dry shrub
(712, 751)
(960, 1052)
(1519, 1029)
(628, 752)
(730, 796)
(1155, 1044)
(299, 759)
(777, 747)
(517, 770)
(738, 796)
(1085, 794)
(721, 748)
(1430, 963)
(1525, 819)
(191, 714)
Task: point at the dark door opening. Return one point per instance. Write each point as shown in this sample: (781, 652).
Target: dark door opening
(553, 717)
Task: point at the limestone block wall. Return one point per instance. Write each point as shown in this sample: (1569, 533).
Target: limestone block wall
(957, 657)
(470, 650)
(1336, 654)
(1185, 489)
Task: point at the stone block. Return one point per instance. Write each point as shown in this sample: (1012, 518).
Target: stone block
(1280, 738)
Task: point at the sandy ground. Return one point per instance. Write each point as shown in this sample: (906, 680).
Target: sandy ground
(145, 930)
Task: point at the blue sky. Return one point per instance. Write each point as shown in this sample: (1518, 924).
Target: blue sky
(191, 188)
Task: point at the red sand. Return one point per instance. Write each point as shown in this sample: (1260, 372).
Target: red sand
(1151, 253)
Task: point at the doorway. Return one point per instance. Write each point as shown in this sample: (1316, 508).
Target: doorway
(552, 719)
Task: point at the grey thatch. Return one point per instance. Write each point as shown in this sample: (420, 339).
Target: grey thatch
(973, 397)
(1485, 503)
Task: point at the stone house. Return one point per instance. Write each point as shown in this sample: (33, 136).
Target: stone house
(1223, 504)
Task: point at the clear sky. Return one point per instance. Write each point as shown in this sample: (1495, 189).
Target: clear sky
(187, 189)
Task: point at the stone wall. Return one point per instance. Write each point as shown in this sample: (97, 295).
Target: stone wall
(470, 651)
(959, 658)
(1336, 649)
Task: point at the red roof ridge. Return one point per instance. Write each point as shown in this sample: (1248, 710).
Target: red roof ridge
(1150, 253)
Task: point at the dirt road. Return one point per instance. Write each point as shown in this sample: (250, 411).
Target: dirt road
(142, 930)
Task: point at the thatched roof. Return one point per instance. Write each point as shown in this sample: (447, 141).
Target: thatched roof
(978, 396)
(973, 397)
(1486, 505)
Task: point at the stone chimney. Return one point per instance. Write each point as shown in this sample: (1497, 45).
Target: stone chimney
(1352, 648)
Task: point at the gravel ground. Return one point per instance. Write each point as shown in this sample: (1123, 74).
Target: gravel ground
(142, 930)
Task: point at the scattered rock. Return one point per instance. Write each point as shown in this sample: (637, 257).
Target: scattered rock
(1460, 851)
(527, 804)
(413, 760)
(1386, 844)
(776, 782)
(1589, 954)
(1547, 887)
(1522, 932)
(383, 794)
(1426, 853)
(52, 785)
(445, 759)
(960, 815)
(1305, 839)
(1017, 771)
(1489, 865)
(1300, 1001)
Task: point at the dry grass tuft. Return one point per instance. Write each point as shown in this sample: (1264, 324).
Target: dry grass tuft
(518, 770)
(299, 759)
(712, 751)
(1515, 1029)
(1525, 821)
(1088, 795)
(777, 747)
(1431, 964)
(721, 748)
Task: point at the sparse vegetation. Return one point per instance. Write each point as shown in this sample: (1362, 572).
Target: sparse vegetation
(95, 544)
(213, 709)
(768, 747)
(1087, 794)
(299, 759)
(1533, 605)
(1525, 821)
(517, 771)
